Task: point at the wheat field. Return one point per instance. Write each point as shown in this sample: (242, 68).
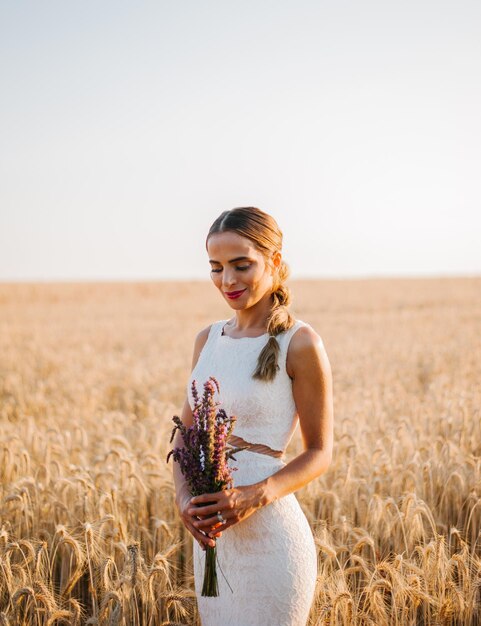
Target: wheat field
(90, 377)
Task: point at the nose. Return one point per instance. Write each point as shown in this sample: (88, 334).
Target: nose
(228, 278)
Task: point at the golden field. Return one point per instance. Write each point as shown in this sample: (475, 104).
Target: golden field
(90, 376)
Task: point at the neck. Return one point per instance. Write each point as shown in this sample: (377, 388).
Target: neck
(255, 317)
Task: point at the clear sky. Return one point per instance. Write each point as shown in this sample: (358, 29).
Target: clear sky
(127, 127)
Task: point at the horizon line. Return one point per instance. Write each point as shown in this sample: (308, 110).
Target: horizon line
(316, 278)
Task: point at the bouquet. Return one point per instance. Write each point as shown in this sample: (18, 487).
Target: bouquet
(203, 459)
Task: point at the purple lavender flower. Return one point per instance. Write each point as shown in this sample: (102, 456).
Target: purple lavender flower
(203, 458)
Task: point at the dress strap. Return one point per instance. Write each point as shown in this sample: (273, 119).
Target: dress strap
(287, 335)
(286, 340)
(217, 328)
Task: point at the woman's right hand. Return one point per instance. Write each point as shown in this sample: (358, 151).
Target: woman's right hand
(189, 522)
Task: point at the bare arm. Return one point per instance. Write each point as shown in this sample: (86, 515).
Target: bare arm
(309, 367)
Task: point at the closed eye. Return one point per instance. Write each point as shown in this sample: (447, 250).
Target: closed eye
(241, 269)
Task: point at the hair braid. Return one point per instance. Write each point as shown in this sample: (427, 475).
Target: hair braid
(278, 321)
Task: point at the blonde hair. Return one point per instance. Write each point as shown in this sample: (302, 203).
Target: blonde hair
(262, 229)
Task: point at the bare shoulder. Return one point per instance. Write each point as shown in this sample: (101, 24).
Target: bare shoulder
(199, 343)
(306, 351)
(202, 335)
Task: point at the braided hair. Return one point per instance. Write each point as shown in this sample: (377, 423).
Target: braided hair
(261, 228)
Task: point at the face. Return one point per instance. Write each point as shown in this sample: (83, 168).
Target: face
(238, 266)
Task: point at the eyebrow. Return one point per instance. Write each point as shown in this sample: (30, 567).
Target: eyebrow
(238, 258)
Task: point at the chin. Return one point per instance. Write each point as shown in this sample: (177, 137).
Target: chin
(235, 305)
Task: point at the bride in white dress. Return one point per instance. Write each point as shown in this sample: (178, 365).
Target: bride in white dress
(273, 374)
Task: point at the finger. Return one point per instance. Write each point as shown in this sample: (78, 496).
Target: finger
(209, 522)
(207, 502)
(205, 541)
(195, 519)
(201, 537)
(205, 497)
(214, 530)
(206, 510)
(213, 533)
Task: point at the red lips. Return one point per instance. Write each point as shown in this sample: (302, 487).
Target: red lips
(234, 294)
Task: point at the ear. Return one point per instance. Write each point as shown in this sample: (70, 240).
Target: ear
(276, 260)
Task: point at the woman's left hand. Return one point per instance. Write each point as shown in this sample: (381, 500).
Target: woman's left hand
(234, 504)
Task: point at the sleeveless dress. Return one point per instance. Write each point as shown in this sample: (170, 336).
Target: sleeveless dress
(269, 559)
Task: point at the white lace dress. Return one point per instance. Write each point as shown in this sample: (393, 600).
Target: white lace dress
(269, 559)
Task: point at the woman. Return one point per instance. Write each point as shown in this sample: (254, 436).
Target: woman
(273, 373)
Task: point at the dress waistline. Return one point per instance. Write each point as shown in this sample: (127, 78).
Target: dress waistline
(254, 447)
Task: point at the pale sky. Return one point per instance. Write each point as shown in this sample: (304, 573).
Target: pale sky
(126, 128)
